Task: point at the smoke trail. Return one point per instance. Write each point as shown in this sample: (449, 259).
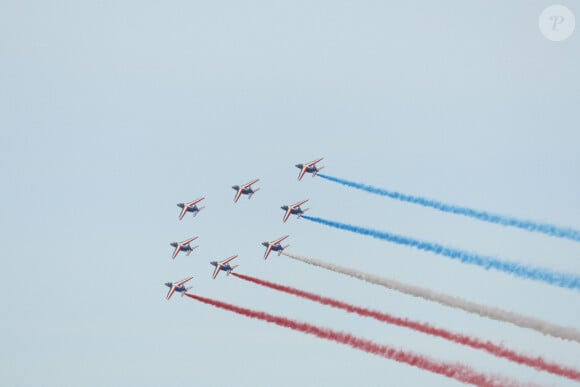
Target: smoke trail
(460, 372)
(564, 280)
(528, 225)
(497, 350)
(566, 333)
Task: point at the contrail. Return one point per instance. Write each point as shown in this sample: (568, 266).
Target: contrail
(563, 280)
(497, 350)
(457, 371)
(566, 333)
(528, 225)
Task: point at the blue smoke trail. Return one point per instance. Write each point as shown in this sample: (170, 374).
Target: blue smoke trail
(528, 225)
(553, 278)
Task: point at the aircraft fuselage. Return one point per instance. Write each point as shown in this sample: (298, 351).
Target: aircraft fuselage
(245, 191)
(183, 248)
(294, 211)
(276, 247)
(308, 169)
(189, 209)
(226, 267)
(179, 289)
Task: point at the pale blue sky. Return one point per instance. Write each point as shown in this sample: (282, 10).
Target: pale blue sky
(112, 112)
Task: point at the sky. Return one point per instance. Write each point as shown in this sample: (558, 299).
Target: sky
(112, 112)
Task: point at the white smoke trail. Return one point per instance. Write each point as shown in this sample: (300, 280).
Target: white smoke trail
(566, 333)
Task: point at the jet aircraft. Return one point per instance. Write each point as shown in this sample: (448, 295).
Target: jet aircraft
(177, 287)
(190, 207)
(183, 246)
(245, 189)
(223, 265)
(309, 167)
(274, 246)
(294, 209)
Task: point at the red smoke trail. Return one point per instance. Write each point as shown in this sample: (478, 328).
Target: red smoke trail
(494, 349)
(456, 371)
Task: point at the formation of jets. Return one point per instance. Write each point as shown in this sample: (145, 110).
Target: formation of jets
(225, 265)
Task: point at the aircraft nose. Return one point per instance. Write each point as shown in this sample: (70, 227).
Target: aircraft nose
(265, 244)
(236, 187)
(174, 244)
(180, 205)
(285, 208)
(299, 166)
(168, 284)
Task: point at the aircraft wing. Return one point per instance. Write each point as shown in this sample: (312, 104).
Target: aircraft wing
(238, 194)
(178, 284)
(226, 261)
(296, 205)
(216, 271)
(176, 251)
(183, 212)
(302, 172)
(247, 185)
(188, 241)
(277, 241)
(313, 163)
(171, 291)
(287, 214)
(268, 249)
(193, 203)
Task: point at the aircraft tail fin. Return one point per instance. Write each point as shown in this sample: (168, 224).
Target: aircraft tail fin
(317, 170)
(198, 210)
(283, 248)
(232, 269)
(302, 213)
(253, 192)
(186, 290)
(189, 251)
